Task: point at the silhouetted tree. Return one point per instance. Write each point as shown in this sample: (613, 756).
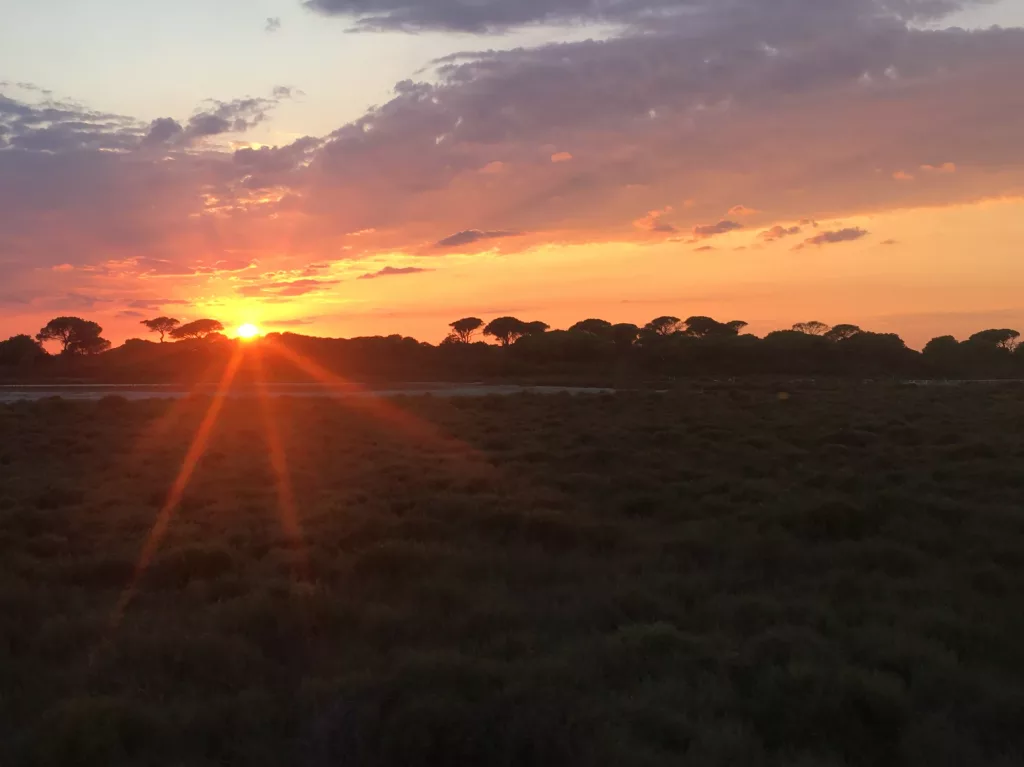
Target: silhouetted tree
(505, 329)
(161, 325)
(75, 335)
(624, 334)
(20, 349)
(197, 329)
(1002, 338)
(535, 328)
(842, 332)
(599, 328)
(664, 326)
(464, 329)
(705, 327)
(812, 328)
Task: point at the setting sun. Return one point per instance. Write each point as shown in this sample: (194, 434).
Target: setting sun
(247, 331)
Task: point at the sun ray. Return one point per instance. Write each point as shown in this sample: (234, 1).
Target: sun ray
(287, 508)
(195, 451)
(414, 427)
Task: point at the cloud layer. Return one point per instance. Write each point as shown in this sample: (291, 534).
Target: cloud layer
(799, 108)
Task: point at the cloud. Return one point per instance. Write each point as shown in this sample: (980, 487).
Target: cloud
(704, 248)
(271, 291)
(889, 242)
(494, 16)
(470, 236)
(216, 118)
(130, 314)
(493, 167)
(157, 303)
(777, 232)
(902, 175)
(710, 230)
(273, 24)
(393, 271)
(294, 323)
(559, 157)
(652, 222)
(788, 106)
(829, 238)
(741, 210)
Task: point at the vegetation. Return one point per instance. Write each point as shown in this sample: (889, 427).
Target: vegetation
(716, 576)
(592, 351)
(75, 335)
(162, 325)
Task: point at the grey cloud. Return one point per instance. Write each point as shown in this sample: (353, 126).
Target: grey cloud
(470, 236)
(778, 232)
(273, 24)
(157, 303)
(393, 271)
(710, 230)
(840, 235)
(492, 16)
(162, 130)
(130, 314)
(217, 118)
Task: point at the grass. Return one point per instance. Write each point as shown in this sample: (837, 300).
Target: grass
(709, 577)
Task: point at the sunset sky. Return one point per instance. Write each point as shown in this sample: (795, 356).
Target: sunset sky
(364, 167)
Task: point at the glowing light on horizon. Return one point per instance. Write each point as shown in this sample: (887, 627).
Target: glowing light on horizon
(248, 331)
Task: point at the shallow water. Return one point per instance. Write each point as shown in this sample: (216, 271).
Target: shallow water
(141, 391)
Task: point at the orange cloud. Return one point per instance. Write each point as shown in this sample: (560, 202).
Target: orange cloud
(561, 157)
(902, 175)
(946, 167)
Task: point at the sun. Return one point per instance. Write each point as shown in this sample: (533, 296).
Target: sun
(247, 332)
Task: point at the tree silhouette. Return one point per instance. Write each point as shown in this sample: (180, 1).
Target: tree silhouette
(812, 328)
(842, 332)
(75, 335)
(535, 328)
(505, 329)
(161, 325)
(624, 334)
(20, 349)
(464, 329)
(704, 327)
(1003, 338)
(197, 329)
(599, 328)
(664, 326)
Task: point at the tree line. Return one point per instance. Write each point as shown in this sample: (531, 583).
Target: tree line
(591, 348)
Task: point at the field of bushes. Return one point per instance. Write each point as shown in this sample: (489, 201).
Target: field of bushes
(830, 575)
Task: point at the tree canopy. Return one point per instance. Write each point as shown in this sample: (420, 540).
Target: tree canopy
(505, 330)
(20, 349)
(75, 335)
(162, 325)
(812, 328)
(464, 329)
(197, 329)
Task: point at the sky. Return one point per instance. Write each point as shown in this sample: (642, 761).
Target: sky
(364, 167)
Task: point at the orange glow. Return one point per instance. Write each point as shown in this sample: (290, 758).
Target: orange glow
(247, 332)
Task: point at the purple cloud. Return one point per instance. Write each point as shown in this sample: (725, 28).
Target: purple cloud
(393, 271)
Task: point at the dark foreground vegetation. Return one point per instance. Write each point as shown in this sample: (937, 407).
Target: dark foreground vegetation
(592, 351)
(711, 577)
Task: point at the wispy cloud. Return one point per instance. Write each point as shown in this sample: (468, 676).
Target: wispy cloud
(393, 271)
